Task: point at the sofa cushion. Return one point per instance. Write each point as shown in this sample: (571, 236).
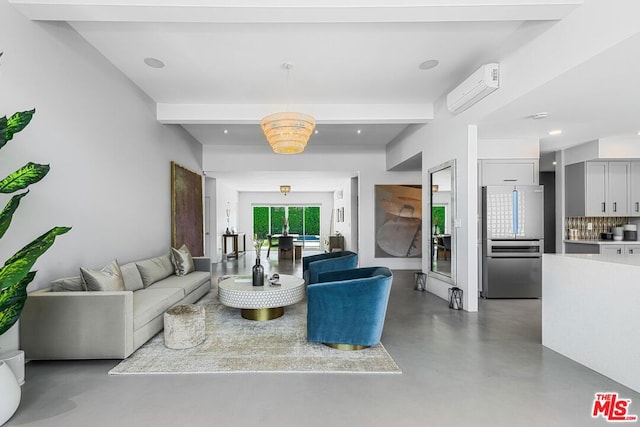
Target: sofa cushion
(154, 269)
(187, 284)
(109, 278)
(131, 276)
(149, 303)
(182, 261)
(64, 284)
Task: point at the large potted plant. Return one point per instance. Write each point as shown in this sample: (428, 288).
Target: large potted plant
(16, 272)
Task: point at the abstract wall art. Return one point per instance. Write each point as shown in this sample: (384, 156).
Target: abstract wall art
(398, 221)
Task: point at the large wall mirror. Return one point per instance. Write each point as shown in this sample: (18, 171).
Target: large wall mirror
(442, 180)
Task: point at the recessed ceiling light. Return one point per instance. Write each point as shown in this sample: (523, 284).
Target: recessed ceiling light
(429, 64)
(555, 132)
(554, 163)
(154, 63)
(315, 131)
(359, 131)
(226, 131)
(539, 116)
(639, 132)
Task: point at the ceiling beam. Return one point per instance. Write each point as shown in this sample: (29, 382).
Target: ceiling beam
(307, 11)
(323, 113)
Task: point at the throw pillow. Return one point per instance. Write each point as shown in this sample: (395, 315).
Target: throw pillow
(109, 278)
(68, 284)
(182, 261)
(131, 276)
(154, 269)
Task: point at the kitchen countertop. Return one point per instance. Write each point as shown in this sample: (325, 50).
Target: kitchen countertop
(633, 260)
(604, 242)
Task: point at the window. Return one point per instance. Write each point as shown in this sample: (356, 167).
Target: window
(302, 221)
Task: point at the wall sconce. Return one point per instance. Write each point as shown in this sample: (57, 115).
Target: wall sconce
(284, 189)
(434, 188)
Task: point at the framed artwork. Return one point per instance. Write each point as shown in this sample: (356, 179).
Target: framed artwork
(398, 221)
(342, 214)
(187, 217)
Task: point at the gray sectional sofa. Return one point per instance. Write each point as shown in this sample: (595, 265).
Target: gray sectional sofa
(65, 321)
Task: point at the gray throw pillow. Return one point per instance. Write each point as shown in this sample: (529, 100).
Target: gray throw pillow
(67, 284)
(154, 269)
(182, 261)
(108, 278)
(131, 276)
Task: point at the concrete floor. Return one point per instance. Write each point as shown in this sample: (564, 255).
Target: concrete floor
(459, 369)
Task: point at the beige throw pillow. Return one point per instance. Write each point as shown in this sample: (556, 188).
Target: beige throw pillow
(182, 261)
(108, 278)
(67, 284)
(131, 276)
(155, 269)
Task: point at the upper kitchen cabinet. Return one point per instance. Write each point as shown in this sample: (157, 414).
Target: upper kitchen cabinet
(598, 189)
(634, 184)
(509, 172)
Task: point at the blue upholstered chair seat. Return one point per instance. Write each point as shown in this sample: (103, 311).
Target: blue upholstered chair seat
(313, 265)
(348, 306)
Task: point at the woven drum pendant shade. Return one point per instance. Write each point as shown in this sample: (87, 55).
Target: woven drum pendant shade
(288, 132)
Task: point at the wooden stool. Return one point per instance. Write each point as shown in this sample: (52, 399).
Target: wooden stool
(298, 251)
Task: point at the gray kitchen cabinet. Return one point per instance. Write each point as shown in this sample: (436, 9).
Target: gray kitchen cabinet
(618, 188)
(597, 189)
(634, 189)
(509, 172)
(603, 248)
(632, 249)
(612, 250)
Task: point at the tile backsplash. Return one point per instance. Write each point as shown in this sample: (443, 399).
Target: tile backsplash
(598, 225)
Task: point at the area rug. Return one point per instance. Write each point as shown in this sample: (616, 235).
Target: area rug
(237, 345)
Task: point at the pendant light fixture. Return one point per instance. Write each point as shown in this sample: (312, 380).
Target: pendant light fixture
(288, 132)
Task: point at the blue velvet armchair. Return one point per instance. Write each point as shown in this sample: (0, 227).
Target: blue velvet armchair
(313, 265)
(346, 309)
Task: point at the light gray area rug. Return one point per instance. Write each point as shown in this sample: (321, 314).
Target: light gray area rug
(237, 345)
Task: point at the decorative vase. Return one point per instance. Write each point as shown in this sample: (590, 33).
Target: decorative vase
(258, 274)
(10, 392)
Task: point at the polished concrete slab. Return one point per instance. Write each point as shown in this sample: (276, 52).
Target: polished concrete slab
(459, 369)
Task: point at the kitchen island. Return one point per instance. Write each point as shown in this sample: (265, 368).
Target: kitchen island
(591, 312)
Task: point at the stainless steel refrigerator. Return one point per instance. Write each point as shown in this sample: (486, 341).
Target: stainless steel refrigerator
(512, 241)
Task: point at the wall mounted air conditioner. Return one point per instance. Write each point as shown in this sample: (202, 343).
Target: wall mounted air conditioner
(481, 83)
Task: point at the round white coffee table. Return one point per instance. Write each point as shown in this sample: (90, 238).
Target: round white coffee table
(261, 302)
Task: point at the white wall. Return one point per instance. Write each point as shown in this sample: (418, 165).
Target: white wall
(110, 158)
(509, 148)
(226, 197)
(368, 166)
(441, 142)
(342, 199)
(211, 216)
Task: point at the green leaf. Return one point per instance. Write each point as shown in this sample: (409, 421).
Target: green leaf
(8, 211)
(16, 268)
(13, 125)
(12, 301)
(23, 177)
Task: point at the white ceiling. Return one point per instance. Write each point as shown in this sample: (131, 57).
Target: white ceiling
(355, 66)
(597, 99)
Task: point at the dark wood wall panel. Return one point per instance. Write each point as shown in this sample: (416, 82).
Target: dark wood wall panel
(186, 210)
